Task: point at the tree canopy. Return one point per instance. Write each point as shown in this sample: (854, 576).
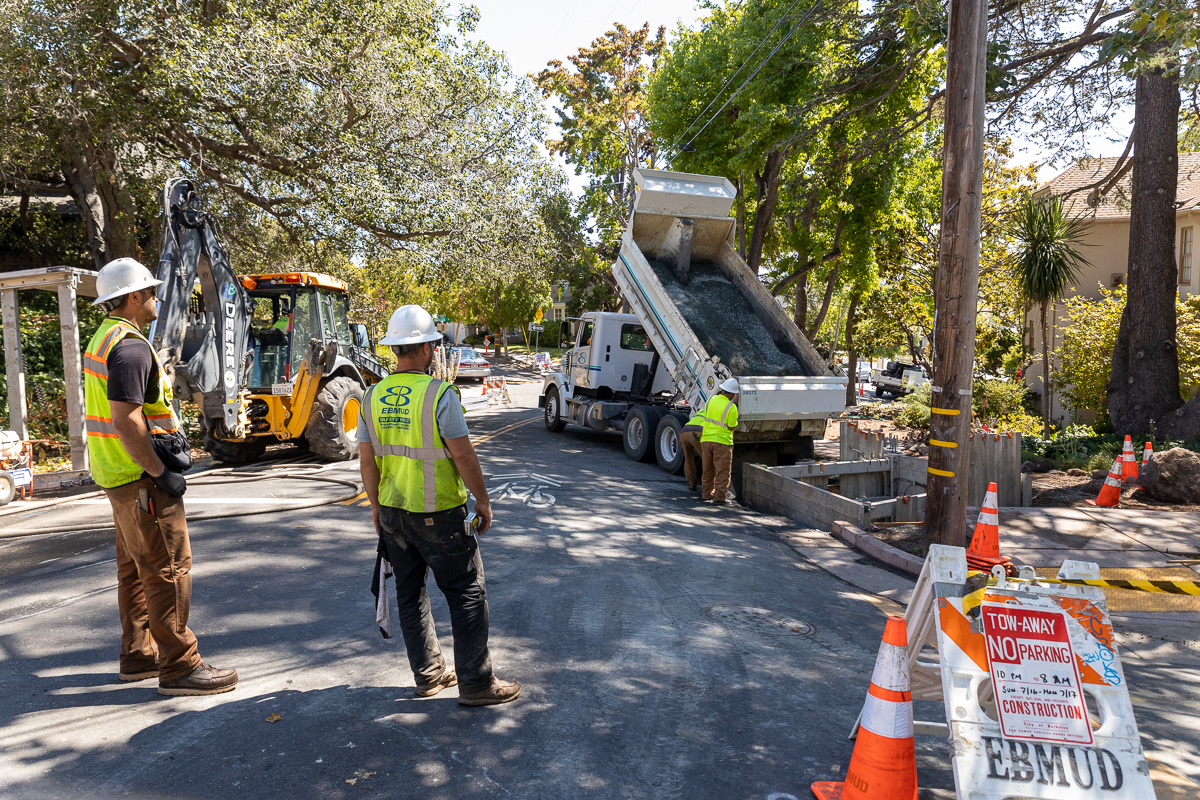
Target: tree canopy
(360, 125)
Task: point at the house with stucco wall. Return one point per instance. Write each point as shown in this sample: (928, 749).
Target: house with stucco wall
(1107, 248)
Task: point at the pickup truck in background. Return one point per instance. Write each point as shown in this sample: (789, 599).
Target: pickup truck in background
(898, 378)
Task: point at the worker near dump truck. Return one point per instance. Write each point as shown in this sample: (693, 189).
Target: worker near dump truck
(689, 442)
(137, 455)
(720, 417)
(417, 463)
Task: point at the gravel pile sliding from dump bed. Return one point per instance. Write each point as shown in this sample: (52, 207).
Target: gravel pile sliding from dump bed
(725, 323)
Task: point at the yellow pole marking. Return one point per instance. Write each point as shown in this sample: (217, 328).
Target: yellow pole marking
(942, 444)
(950, 412)
(942, 472)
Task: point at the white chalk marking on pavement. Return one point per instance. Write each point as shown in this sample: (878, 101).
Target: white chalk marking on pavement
(59, 605)
(781, 796)
(93, 564)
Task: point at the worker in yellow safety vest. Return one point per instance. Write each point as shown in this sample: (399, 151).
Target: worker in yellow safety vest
(417, 463)
(137, 456)
(720, 418)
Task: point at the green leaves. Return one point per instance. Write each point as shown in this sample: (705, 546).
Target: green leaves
(1047, 262)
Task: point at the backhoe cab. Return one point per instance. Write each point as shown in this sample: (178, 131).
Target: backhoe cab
(266, 357)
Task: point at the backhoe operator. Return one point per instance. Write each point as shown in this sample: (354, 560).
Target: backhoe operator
(417, 462)
(137, 455)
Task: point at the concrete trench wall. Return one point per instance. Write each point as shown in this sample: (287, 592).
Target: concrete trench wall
(890, 487)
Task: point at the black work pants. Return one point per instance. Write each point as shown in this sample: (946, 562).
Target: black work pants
(416, 544)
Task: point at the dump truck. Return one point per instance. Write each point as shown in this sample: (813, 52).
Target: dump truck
(268, 357)
(699, 315)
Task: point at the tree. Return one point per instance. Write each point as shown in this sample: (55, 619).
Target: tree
(507, 305)
(363, 125)
(1046, 264)
(603, 122)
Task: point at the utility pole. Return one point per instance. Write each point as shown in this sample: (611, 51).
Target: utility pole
(956, 291)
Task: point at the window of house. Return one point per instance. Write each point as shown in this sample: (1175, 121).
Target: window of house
(1185, 256)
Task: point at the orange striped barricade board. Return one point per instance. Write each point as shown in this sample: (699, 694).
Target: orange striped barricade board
(497, 390)
(1034, 692)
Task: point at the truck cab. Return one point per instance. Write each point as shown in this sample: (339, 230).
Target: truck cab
(612, 357)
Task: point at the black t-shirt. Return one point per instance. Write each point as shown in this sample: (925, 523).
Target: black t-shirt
(132, 373)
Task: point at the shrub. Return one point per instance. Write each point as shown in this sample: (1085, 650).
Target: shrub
(916, 409)
(997, 399)
(1021, 423)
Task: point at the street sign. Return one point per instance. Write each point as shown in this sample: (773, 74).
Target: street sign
(1034, 675)
(533, 326)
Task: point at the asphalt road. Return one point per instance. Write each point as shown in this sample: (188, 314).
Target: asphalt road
(667, 649)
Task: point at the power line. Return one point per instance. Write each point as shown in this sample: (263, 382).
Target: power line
(734, 74)
(757, 69)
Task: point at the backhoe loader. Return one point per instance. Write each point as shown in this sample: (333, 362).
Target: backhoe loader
(267, 357)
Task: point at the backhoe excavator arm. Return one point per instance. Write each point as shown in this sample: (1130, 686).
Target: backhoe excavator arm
(214, 372)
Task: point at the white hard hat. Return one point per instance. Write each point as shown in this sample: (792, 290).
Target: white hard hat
(411, 325)
(731, 386)
(122, 276)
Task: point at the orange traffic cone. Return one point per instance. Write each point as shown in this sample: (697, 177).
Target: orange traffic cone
(1110, 492)
(984, 552)
(1129, 468)
(884, 763)
(1147, 454)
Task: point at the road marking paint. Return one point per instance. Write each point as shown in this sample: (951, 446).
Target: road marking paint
(353, 500)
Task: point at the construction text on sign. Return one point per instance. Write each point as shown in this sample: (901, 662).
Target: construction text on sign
(1034, 675)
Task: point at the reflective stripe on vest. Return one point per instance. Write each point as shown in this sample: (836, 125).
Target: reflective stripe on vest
(111, 465)
(716, 425)
(416, 470)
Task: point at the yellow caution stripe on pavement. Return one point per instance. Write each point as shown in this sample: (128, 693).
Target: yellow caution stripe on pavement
(1163, 586)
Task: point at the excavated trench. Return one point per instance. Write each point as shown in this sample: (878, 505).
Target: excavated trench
(725, 323)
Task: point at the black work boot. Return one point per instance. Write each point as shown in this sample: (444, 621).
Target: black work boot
(202, 680)
(447, 678)
(499, 692)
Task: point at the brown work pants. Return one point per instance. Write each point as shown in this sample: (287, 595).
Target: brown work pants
(689, 442)
(154, 581)
(717, 459)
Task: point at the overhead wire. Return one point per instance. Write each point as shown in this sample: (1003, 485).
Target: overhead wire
(734, 74)
(750, 77)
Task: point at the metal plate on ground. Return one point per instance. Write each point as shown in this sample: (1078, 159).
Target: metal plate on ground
(759, 620)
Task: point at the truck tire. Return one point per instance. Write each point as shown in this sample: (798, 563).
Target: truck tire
(880, 393)
(333, 419)
(667, 449)
(640, 425)
(554, 408)
(242, 452)
(8, 487)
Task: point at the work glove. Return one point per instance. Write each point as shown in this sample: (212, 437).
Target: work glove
(171, 482)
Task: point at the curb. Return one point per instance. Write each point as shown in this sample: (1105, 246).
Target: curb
(881, 551)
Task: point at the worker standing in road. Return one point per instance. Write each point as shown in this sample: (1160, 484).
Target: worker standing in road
(417, 463)
(137, 456)
(689, 443)
(716, 441)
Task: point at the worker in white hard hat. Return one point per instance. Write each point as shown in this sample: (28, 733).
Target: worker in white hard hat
(417, 464)
(137, 453)
(720, 418)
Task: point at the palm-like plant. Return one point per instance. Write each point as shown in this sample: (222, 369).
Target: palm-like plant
(1046, 263)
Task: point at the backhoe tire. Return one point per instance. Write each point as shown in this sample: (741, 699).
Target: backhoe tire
(554, 411)
(242, 452)
(333, 419)
(641, 423)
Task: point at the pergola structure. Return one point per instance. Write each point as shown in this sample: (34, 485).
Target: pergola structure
(69, 283)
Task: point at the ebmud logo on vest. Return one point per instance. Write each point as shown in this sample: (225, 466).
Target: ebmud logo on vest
(396, 412)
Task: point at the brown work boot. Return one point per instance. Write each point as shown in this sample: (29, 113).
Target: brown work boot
(499, 692)
(202, 680)
(139, 675)
(447, 678)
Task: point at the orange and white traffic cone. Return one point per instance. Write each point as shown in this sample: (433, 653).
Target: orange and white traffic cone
(1147, 454)
(1129, 467)
(884, 763)
(984, 552)
(1110, 492)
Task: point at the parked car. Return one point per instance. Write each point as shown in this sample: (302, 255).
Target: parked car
(471, 364)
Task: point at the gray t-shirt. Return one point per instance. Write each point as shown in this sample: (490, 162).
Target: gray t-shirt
(452, 423)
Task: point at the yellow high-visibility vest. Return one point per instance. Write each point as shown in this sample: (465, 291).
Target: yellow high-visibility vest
(720, 418)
